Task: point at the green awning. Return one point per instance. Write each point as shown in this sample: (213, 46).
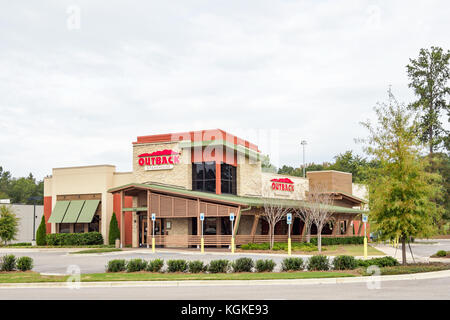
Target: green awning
(88, 211)
(73, 211)
(59, 211)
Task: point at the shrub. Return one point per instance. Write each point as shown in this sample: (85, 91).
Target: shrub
(340, 240)
(8, 263)
(242, 265)
(219, 266)
(262, 265)
(319, 263)
(116, 265)
(441, 253)
(24, 263)
(344, 263)
(155, 265)
(293, 264)
(196, 266)
(41, 233)
(135, 265)
(296, 246)
(20, 244)
(177, 265)
(74, 239)
(380, 262)
(114, 232)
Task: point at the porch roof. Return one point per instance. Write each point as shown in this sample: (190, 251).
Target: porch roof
(226, 198)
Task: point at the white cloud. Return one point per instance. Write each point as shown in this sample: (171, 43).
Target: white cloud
(303, 69)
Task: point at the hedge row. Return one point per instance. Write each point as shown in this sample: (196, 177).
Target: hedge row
(10, 263)
(304, 246)
(340, 240)
(315, 263)
(74, 239)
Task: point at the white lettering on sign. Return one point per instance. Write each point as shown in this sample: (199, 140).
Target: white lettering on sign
(161, 167)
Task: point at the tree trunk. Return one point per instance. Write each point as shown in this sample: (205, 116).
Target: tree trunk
(403, 250)
(319, 238)
(272, 231)
(308, 233)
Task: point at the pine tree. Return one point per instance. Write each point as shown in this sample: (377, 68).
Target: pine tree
(41, 233)
(114, 232)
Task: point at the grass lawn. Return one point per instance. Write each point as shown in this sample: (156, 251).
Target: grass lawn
(28, 276)
(100, 250)
(147, 276)
(413, 268)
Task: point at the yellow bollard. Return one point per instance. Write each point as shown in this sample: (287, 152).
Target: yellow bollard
(365, 247)
(153, 245)
(232, 245)
(202, 245)
(289, 246)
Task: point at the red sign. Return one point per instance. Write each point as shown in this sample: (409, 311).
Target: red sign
(159, 160)
(284, 184)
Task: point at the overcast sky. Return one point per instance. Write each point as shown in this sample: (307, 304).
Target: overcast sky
(79, 80)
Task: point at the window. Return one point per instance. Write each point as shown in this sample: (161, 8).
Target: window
(64, 227)
(204, 176)
(79, 228)
(94, 226)
(228, 178)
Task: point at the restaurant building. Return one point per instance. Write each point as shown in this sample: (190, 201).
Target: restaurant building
(177, 177)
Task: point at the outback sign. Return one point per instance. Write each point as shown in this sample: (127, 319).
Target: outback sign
(284, 184)
(159, 160)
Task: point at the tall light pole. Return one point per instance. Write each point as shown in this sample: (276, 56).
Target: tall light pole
(303, 143)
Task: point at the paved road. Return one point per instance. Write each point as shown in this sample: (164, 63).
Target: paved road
(58, 262)
(402, 289)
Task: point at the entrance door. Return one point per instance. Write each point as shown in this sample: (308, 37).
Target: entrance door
(143, 230)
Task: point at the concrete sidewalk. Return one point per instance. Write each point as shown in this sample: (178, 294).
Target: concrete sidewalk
(204, 283)
(397, 253)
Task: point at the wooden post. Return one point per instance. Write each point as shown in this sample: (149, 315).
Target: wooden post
(122, 220)
(149, 212)
(254, 226)
(218, 231)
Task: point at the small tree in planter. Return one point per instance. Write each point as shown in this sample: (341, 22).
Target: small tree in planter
(9, 224)
(41, 233)
(114, 232)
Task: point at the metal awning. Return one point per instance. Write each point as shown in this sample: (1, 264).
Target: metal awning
(88, 211)
(59, 211)
(73, 211)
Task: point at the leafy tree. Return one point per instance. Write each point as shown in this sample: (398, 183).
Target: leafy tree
(266, 165)
(429, 74)
(440, 163)
(401, 188)
(41, 233)
(114, 231)
(19, 190)
(9, 224)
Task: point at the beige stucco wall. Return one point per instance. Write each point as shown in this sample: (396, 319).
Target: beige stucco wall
(180, 175)
(300, 186)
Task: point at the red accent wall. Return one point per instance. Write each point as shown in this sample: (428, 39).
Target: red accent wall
(47, 213)
(128, 217)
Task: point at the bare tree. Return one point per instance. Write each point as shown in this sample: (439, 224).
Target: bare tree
(320, 203)
(273, 213)
(304, 213)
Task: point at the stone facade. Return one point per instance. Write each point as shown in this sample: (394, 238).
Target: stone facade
(248, 177)
(180, 175)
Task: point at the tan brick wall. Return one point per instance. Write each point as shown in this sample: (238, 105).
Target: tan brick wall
(179, 175)
(249, 177)
(332, 180)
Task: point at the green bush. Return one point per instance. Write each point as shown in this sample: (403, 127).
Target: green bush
(380, 262)
(219, 266)
(243, 265)
(116, 265)
(114, 232)
(341, 240)
(263, 265)
(135, 265)
(41, 233)
(155, 265)
(20, 244)
(292, 264)
(24, 263)
(74, 239)
(441, 253)
(196, 266)
(177, 265)
(344, 263)
(319, 263)
(8, 263)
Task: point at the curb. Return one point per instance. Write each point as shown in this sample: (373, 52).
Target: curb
(206, 283)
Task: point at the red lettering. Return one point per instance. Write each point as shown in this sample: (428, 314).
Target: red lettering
(153, 161)
(147, 161)
(141, 161)
(176, 159)
(274, 186)
(158, 160)
(170, 160)
(164, 160)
